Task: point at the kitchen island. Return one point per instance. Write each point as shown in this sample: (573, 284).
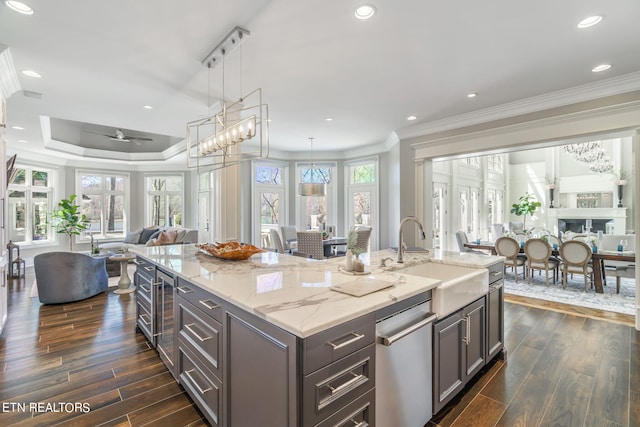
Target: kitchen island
(267, 341)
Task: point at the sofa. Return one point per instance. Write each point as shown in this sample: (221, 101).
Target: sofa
(152, 236)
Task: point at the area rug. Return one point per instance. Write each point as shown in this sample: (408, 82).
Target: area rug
(113, 281)
(574, 293)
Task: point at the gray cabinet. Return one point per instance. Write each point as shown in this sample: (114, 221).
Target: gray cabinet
(144, 281)
(199, 338)
(165, 318)
(459, 351)
(495, 319)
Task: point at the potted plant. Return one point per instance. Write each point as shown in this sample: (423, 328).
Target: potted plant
(527, 205)
(353, 252)
(68, 219)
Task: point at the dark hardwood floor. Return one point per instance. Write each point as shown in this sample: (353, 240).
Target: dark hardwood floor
(565, 367)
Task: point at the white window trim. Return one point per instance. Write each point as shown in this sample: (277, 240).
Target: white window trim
(348, 186)
(52, 238)
(127, 197)
(332, 191)
(259, 187)
(148, 193)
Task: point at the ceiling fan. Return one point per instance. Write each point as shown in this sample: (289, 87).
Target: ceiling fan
(120, 136)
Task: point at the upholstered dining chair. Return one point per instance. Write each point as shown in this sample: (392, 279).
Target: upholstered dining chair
(576, 256)
(364, 234)
(289, 234)
(310, 244)
(69, 276)
(277, 242)
(538, 253)
(509, 248)
(461, 238)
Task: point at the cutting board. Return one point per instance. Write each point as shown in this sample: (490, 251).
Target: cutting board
(358, 288)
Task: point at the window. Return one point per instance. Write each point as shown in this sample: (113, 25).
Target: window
(471, 161)
(165, 205)
(495, 163)
(269, 201)
(105, 202)
(362, 195)
(30, 201)
(316, 210)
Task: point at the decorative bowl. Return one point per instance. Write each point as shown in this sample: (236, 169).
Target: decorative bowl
(233, 251)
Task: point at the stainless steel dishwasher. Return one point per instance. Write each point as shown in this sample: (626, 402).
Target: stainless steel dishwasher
(403, 367)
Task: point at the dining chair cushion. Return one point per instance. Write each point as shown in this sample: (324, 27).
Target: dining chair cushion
(579, 270)
(289, 234)
(507, 247)
(310, 243)
(277, 242)
(517, 262)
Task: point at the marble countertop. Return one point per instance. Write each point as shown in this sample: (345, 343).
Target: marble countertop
(295, 293)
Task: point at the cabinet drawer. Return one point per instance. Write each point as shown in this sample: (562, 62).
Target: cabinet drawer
(201, 299)
(334, 386)
(204, 388)
(359, 413)
(146, 268)
(496, 272)
(330, 345)
(144, 286)
(144, 320)
(203, 336)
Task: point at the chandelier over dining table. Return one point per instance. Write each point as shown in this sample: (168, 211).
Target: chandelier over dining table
(239, 131)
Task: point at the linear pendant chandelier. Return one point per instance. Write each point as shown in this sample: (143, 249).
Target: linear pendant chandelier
(239, 131)
(312, 188)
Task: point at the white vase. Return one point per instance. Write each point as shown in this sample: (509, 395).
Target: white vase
(348, 260)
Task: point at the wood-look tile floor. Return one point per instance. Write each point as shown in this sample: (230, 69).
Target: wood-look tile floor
(565, 367)
(86, 354)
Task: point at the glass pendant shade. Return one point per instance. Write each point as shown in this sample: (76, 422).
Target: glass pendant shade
(312, 189)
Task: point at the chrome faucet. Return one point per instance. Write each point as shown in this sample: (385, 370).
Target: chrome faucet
(383, 262)
(400, 239)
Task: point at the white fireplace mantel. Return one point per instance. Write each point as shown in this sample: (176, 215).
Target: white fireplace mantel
(619, 216)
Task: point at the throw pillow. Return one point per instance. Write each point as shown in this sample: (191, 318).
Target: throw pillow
(152, 242)
(133, 237)
(182, 232)
(146, 234)
(167, 237)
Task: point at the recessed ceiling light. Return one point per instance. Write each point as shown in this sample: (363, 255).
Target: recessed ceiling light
(329, 119)
(601, 67)
(412, 118)
(17, 127)
(590, 21)
(364, 12)
(19, 7)
(22, 140)
(148, 107)
(472, 95)
(31, 73)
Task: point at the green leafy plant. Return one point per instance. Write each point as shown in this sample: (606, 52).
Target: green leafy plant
(68, 219)
(526, 205)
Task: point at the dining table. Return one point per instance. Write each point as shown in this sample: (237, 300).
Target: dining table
(329, 245)
(597, 258)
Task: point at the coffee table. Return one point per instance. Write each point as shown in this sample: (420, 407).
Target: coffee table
(125, 282)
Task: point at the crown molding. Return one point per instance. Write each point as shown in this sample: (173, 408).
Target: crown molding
(587, 92)
(9, 83)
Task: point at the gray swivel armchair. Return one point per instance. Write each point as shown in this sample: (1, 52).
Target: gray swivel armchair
(67, 276)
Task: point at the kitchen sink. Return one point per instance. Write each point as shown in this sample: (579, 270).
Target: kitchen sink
(460, 285)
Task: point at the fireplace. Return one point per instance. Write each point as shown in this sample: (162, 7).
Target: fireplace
(577, 225)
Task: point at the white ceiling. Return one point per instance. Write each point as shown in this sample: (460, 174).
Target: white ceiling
(102, 61)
